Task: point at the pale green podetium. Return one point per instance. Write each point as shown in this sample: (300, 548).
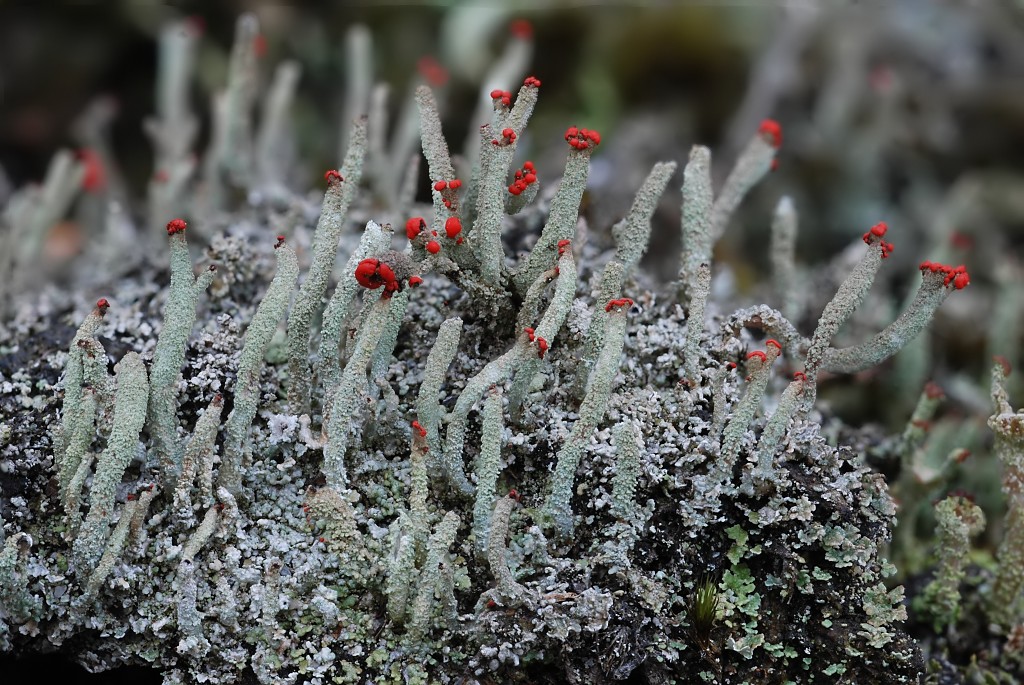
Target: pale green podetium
(1008, 426)
(341, 190)
(557, 505)
(561, 222)
(169, 357)
(247, 386)
(122, 445)
(957, 520)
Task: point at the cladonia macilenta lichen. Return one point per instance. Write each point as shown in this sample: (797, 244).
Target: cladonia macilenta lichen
(462, 467)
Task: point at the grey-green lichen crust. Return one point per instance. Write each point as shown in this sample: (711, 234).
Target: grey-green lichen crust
(292, 586)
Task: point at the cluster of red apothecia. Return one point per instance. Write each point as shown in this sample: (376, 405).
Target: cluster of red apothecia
(956, 276)
(508, 136)
(502, 96)
(877, 231)
(176, 226)
(416, 226)
(763, 356)
(447, 190)
(373, 273)
(524, 178)
(542, 344)
(582, 138)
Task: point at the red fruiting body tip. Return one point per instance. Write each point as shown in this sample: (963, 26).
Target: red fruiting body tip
(94, 180)
(957, 276)
(529, 333)
(259, 44)
(454, 184)
(732, 365)
(414, 281)
(447, 204)
(102, 303)
(365, 270)
(771, 131)
(432, 71)
(532, 81)
(496, 94)
(333, 176)
(961, 241)
(581, 138)
(280, 242)
(176, 226)
(877, 231)
(759, 354)
(459, 241)
(800, 376)
(508, 133)
(1003, 362)
(419, 429)
(774, 343)
(440, 185)
(321, 539)
(452, 226)
(620, 302)
(514, 495)
(385, 272)
(433, 247)
(521, 28)
(542, 347)
(414, 226)
(933, 391)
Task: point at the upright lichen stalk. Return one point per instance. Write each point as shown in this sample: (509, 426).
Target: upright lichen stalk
(1008, 427)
